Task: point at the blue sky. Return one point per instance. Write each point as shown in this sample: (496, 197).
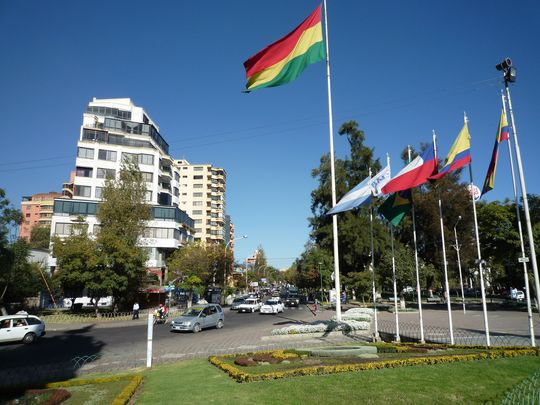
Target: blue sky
(400, 69)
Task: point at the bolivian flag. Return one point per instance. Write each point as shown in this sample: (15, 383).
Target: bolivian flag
(284, 60)
(395, 207)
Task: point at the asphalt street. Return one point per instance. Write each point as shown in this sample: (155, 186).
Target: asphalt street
(127, 343)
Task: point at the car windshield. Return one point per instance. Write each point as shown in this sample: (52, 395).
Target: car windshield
(251, 301)
(270, 302)
(238, 300)
(194, 311)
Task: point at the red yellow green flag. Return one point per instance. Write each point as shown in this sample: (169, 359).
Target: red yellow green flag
(284, 60)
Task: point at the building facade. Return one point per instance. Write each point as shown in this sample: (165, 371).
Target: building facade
(202, 197)
(113, 131)
(37, 210)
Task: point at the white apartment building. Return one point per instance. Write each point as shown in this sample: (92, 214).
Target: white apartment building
(114, 130)
(202, 197)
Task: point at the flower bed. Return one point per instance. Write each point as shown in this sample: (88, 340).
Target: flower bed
(238, 373)
(357, 314)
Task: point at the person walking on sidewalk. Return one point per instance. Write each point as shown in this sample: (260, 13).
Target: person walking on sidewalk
(136, 310)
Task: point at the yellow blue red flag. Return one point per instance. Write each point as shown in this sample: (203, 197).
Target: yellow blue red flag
(459, 155)
(502, 135)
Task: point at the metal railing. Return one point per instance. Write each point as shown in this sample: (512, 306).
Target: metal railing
(525, 393)
(434, 334)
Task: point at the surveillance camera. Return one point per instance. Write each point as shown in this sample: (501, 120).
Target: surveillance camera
(504, 65)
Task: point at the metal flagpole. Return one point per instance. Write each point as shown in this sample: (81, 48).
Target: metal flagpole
(418, 290)
(459, 266)
(332, 171)
(525, 199)
(523, 258)
(479, 260)
(372, 268)
(445, 263)
(398, 339)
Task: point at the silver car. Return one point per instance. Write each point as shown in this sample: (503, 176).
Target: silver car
(25, 328)
(199, 317)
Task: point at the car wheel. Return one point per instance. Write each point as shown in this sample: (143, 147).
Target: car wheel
(196, 328)
(29, 338)
(219, 324)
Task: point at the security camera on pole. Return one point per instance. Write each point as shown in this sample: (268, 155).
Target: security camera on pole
(509, 75)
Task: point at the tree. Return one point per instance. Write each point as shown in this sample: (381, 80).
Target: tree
(354, 241)
(11, 256)
(77, 261)
(113, 263)
(22, 279)
(40, 237)
(198, 259)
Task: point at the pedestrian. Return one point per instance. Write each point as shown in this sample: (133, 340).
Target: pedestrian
(135, 310)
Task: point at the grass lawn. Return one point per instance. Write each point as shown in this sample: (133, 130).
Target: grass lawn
(466, 383)
(103, 393)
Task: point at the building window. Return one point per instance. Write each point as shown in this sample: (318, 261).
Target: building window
(198, 221)
(197, 169)
(176, 192)
(62, 228)
(99, 192)
(109, 155)
(83, 171)
(197, 203)
(146, 159)
(197, 177)
(82, 191)
(198, 230)
(85, 153)
(197, 186)
(197, 194)
(176, 176)
(197, 212)
(140, 158)
(148, 177)
(148, 196)
(105, 173)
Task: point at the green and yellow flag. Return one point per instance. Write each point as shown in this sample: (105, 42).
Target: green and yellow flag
(395, 207)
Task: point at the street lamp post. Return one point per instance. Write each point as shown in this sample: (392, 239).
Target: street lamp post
(459, 264)
(225, 261)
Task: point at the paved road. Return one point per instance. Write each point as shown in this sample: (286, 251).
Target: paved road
(126, 344)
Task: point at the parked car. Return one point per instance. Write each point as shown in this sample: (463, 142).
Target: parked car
(25, 328)
(250, 305)
(272, 306)
(236, 303)
(199, 317)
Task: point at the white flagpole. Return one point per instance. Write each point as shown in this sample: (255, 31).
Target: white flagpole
(525, 199)
(445, 263)
(418, 289)
(522, 244)
(332, 171)
(372, 268)
(479, 260)
(398, 339)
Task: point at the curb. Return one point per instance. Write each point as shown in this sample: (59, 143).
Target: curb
(317, 335)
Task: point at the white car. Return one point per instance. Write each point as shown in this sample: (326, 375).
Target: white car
(25, 328)
(272, 306)
(250, 305)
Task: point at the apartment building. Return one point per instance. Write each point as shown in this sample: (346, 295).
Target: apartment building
(202, 197)
(112, 131)
(36, 210)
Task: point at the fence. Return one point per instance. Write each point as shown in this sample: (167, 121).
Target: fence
(434, 334)
(69, 317)
(525, 393)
